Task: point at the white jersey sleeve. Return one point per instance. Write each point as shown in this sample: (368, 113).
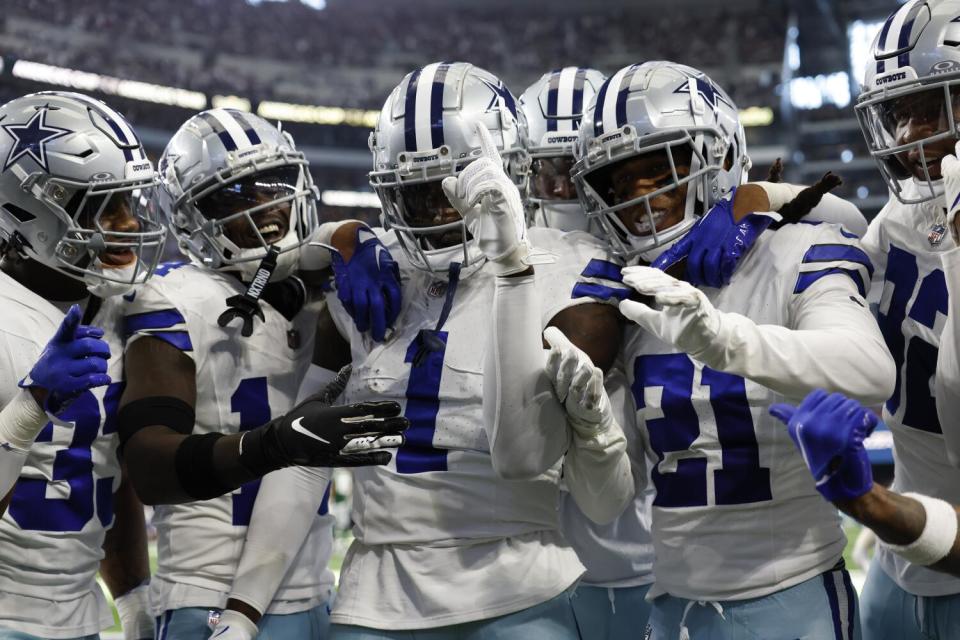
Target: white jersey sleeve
(831, 341)
(948, 360)
(522, 415)
(838, 211)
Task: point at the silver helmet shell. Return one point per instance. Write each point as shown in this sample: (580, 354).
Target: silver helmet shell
(426, 132)
(917, 50)
(651, 107)
(217, 150)
(68, 160)
(552, 109)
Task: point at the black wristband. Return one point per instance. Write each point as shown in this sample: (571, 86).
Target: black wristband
(164, 411)
(195, 469)
(259, 451)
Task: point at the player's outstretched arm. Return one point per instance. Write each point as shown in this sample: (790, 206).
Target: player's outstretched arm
(73, 361)
(829, 430)
(125, 567)
(596, 468)
(948, 359)
(170, 464)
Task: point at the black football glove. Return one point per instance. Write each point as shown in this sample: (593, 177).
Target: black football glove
(317, 435)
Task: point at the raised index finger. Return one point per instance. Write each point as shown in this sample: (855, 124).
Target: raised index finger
(488, 148)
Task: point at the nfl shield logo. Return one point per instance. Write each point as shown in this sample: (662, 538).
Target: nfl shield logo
(437, 289)
(936, 235)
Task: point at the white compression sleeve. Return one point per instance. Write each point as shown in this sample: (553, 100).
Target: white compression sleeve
(596, 471)
(20, 422)
(290, 496)
(525, 423)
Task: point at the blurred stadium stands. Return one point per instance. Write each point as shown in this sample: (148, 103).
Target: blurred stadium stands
(349, 54)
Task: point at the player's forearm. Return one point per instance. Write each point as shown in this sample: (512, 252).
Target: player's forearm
(164, 473)
(291, 496)
(524, 420)
(125, 564)
(598, 476)
(897, 520)
(840, 350)
(948, 360)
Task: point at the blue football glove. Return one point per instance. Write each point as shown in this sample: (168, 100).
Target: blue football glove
(830, 429)
(715, 244)
(74, 361)
(368, 285)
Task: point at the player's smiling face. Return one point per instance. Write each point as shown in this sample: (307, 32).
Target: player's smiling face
(642, 175)
(915, 117)
(262, 188)
(115, 216)
(426, 205)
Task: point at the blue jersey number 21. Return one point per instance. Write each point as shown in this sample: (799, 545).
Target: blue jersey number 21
(739, 479)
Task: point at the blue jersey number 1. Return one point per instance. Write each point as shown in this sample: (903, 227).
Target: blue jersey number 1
(250, 400)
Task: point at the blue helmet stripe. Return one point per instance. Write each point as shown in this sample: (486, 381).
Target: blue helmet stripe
(903, 59)
(598, 108)
(436, 105)
(245, 124)
(95, 106)
(228, 142)
(882, 42)
(578, 95)
(553, 98)
(622, 96)
(409, 113)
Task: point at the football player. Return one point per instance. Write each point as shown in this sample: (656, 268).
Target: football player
(829, 430)
(73, 238)
(215, 355)
(736, 527)
(908, 112)
(458, 535)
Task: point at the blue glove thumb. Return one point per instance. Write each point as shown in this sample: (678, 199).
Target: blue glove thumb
(782, 411)
(68, 326)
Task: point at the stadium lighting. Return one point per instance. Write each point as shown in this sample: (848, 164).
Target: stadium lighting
(860, 35)
(815, 91)
(333, 198)
(756, 117)
(86, 81)
(317, 114)
(230, 102)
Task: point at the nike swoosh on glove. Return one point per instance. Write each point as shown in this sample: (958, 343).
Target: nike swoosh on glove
(681, 316)
(716, 244)
(829, 430)
(491, 205)
(317, 435)
(950, 169)
(74, 361)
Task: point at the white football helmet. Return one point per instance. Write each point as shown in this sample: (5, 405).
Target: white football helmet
(73, 178)
(228, 172)
(658, 109)
(552, 108)
(913, 72)
(425, 133)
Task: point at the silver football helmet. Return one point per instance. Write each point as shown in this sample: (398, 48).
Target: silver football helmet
(74, 174)
(912, 78)
(680, 123)
(425, 133)
(233, 186)
(552, 108)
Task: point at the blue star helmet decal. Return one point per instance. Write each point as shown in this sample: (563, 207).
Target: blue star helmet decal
(31, 139)
(707, 91)
(500, 92)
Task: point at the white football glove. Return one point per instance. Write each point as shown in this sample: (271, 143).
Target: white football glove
(491, 206)
(682, 317)
(134, 611)
(233, 625)
(579, 386)
(950, 170)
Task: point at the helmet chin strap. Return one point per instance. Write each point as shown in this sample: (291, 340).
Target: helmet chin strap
(246, 306)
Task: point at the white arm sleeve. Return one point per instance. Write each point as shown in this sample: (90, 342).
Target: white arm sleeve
(11, 462)
(838, 211)
(835, 345)
(282, 516)
(598, 476)
(526, 424)
(948, 360)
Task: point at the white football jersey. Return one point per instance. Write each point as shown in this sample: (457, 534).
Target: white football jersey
(948, 360)
(51, 536)
(736, 514)
(440, 538)
(905, 243)
(242, 383)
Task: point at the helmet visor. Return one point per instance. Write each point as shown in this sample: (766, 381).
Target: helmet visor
(255, 191)
(550, 179)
